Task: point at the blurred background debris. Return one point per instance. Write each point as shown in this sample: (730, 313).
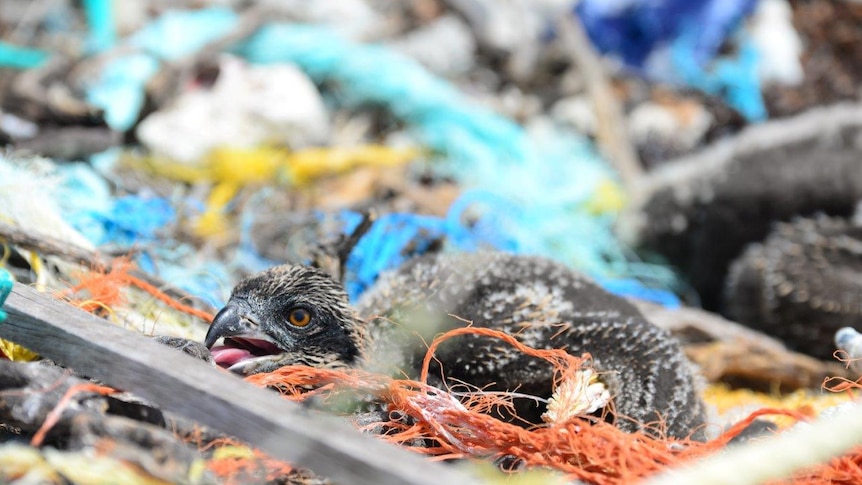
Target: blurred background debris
(701, 158)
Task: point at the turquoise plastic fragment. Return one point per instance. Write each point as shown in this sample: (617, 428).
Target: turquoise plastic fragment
(6, 284)
(18, 57)
(100, 17)
(119, 90)
(179, 33)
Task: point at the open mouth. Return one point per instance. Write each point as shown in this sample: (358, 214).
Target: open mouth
(236, 350)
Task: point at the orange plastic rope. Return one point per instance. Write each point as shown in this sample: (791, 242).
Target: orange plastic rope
(841, 384)
(561, 359)
(61, 406)
(244, 469)
(104, 289)
(164, 298)
(444, 426)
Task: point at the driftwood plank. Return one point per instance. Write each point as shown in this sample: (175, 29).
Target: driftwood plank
(184, 385)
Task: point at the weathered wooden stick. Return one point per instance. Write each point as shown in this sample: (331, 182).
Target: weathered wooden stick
(19, 236)
(725, 350)
(611, 128)
(186, 386)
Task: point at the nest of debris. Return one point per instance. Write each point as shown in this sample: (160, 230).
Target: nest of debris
(157, 153)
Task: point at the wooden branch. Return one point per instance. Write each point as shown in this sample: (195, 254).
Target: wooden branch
(69, 142)
(710, 325)
(332, 256)
(346, 244)
(728, 351)
(189, 387)
(611, 124)
(42, 243)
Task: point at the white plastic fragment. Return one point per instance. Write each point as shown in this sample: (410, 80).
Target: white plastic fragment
(16, 127)
(247, 106)
(681, 126)
(850, 341)
(509, 25)
(777, 42)
(576, 111)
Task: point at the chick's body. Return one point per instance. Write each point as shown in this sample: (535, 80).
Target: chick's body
(299, 315)
(544, 305)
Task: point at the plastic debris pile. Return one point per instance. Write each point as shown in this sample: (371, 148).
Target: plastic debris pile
(160, 151)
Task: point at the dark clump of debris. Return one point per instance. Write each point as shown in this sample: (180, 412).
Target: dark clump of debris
(804, 272)
(701, 211)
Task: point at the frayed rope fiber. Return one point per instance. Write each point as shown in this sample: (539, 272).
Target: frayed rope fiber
(102, 288)
(445, 425)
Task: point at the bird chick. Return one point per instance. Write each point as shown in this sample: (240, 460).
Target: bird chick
(285, 315)
(299, 315)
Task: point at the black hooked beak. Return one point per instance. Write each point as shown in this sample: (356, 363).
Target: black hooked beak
(232, 320)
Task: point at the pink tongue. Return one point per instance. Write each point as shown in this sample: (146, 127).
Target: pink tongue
(228, 356)
(262, 347)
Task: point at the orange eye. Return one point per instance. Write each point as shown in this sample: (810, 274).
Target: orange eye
(299, 317)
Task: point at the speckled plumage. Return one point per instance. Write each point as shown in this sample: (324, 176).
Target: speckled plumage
(543, 303)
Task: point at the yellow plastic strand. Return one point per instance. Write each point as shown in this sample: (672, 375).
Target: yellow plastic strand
(728, 401)
(231, 168)
(16, 353)
(212, 222)
(304, 166)
(38, 269)
(608, 198)
(241, 166)
(7, 253)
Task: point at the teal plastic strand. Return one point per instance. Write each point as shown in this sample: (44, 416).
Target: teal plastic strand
(6, 284)
(103, 31)
(17, 57)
